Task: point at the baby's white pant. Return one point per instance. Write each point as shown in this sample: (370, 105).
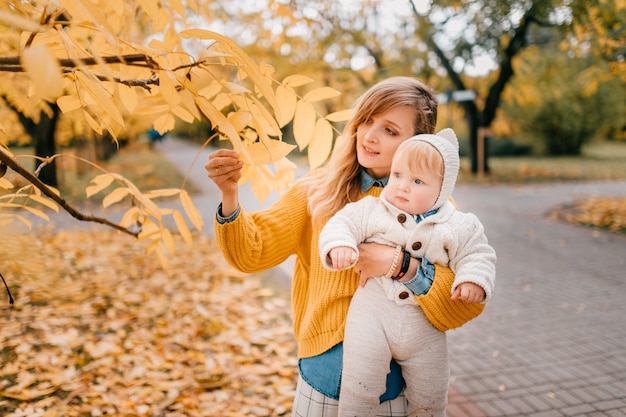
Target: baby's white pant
(377, 330)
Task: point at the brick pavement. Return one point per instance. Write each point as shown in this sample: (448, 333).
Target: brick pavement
(552, 341)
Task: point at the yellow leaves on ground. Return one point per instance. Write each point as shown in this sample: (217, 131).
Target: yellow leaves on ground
(605, 212)
(99, 329)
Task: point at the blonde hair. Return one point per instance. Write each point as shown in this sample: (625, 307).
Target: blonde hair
(338, 182)
(419, 156)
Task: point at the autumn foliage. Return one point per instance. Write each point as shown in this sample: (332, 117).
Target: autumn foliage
(105, 63)
(604, 212)
(105, 331)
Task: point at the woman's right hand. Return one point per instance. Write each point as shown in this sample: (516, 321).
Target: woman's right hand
(224, 169)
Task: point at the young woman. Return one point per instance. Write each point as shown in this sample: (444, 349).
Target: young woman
(386, 115)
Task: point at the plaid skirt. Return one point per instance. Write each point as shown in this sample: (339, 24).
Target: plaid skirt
(310, 403)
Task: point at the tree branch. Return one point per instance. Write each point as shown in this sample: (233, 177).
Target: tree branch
(6, 159)
(131, 59)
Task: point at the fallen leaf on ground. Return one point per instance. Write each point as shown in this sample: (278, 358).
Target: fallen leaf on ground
(100, 329)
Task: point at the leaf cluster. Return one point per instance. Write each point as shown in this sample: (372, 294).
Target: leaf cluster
(84, 56)
(602, 212)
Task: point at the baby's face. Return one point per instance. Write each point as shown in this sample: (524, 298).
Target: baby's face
(412, 191)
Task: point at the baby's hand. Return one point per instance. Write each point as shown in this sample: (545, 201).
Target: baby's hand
(470, 292)
(342, 257)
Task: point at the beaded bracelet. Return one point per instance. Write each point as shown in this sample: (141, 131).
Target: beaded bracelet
(406, 262)
(394, 263)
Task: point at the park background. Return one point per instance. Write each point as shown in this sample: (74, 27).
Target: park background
(134, 312)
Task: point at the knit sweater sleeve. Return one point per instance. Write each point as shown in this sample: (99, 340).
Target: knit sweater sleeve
(257, 241)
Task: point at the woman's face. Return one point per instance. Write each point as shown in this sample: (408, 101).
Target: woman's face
(378, 138)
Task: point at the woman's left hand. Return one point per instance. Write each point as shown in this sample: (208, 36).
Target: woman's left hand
(374, 260)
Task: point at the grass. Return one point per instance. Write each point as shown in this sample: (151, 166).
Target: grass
(599, 162)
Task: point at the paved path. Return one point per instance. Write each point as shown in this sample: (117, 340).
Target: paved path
(552, 341)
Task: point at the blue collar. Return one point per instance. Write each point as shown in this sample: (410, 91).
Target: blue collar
(420, 217)
(367, 181)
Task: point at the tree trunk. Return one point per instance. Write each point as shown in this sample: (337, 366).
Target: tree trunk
(473, 124)
(45, 145)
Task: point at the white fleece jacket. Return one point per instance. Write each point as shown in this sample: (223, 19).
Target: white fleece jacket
(449, 238)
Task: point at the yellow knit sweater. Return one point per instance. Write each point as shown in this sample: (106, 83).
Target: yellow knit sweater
(255, 242)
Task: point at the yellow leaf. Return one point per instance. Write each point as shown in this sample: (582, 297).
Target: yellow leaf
(96, 90)
(182, 227)
(297, 80)
(5, 184)
(128, 97)
(164, 123)
(178, 7)
(189, 104)
(236, 88)
(190, 209)
(303, 123)
(149, 229)
(285, 174)
(321, 93)
(95, 126)
(14, 21)
(152, 246)
(286, 99)
(222, 101)
(182, 113)
(163, 260)
(210, 90)
(240, 119)
(145, 203)
(321, 144)
(260, 184)
(165, 192)
(101, 182)
(264, 118)
(69, 103)
(193, 6)
(168, 240)
(24, 220)
(114, 196)
(216, 117)
(36, 212)
(130, 217)
(152, 9)
(167, 87)
(44, 201)
(263, 153)
(44, 71)
(340, 116)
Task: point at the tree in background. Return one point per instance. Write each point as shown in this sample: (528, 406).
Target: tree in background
(474, 43)
(561, 103)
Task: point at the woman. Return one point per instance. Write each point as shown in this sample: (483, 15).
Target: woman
(387, 114)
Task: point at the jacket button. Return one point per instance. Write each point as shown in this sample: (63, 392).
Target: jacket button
(401, 217)
(416, 245)
(403, 295)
